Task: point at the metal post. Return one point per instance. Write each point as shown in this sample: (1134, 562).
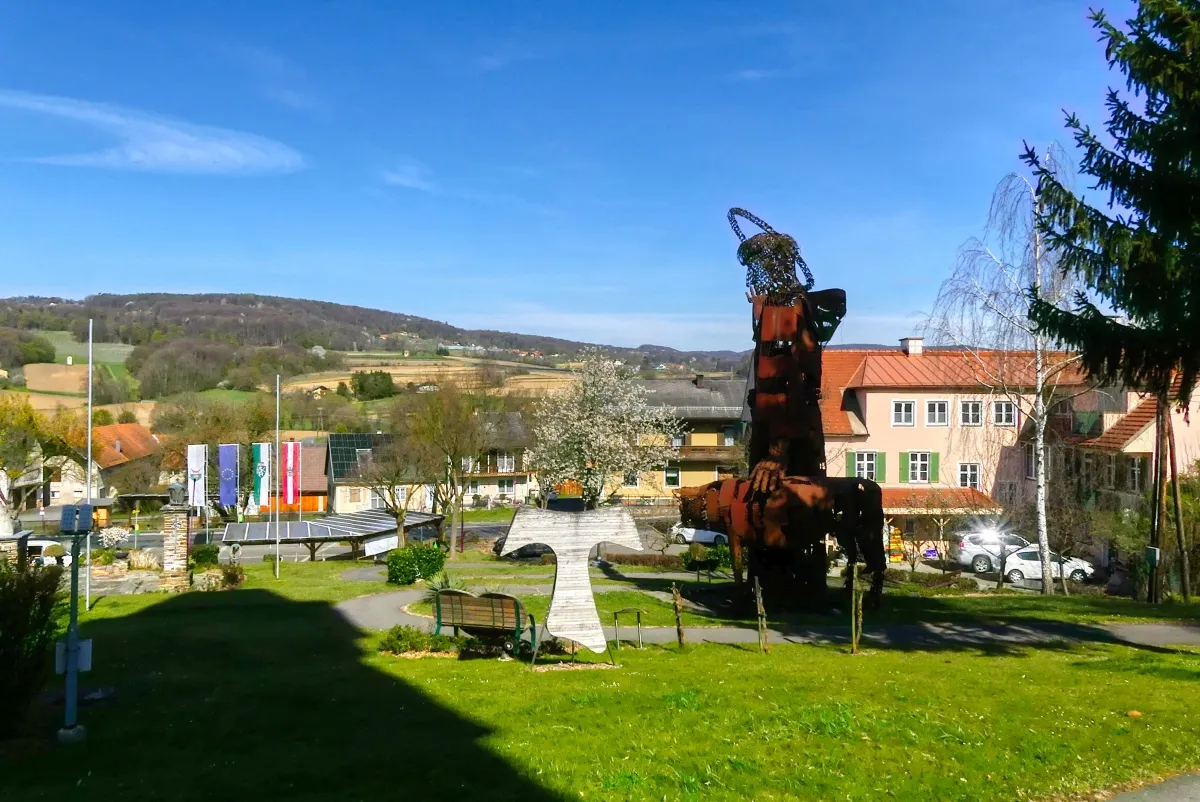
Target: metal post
(278, 470)
(87, 578)
(72, 731)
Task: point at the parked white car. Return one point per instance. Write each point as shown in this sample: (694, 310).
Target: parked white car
(686, 534)
(982, 550)
(1025, 563)
(36, 547)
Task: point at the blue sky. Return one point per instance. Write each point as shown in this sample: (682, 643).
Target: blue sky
(559, 169)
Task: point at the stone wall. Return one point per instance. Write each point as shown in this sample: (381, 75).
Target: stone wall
(175, 549)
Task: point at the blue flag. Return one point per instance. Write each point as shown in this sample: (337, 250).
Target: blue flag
(227, 462)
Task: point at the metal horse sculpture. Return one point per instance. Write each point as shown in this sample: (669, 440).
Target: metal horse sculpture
(778, 519)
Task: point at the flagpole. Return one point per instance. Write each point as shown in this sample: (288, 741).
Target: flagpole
(278, 469)
(87, 577)
(300, 481)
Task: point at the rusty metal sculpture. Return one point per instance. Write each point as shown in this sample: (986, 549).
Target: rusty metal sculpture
(778, 519)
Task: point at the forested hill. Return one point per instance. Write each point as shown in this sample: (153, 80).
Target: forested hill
(267, 320)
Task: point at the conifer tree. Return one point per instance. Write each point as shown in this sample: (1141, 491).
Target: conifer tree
(1141, 257)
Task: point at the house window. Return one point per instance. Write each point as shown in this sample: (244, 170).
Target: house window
(910, 526)
(864, 465)
(677, 440)
(402, 496)
(1006, 493)
(473, 487)
(470, 465)
(506, 463)
(630, 479)
(971, 413)
(918, 466)
(729, 435)
(671, 477)
(937, 413)
(356, 495)
(968, 475)
(902, 413)
(1030, 462)
(505, 486)
(377, 501)
(1133, 481)
(1004, 413)
(1110, 470)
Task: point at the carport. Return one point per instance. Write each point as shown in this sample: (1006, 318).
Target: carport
(374, 528)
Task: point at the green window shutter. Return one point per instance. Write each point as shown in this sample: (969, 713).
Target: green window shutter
(933, 467)
(850, 464)
(880, 462)
(903, 467)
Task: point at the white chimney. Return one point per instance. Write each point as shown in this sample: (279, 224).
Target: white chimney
(912, 345)
(117, 446)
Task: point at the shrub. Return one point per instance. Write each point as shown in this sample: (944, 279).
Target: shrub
(112, 536)
(27, 631)
(142, 560)
(206, 555)
(654, 560)
(400, 639)
(722, 555)
(549, 559)
(232, 576)
(699, 558)
(103, 557)
(442, 582)
(55, 551)
(929, 581)
(269, 557)
(405, 566)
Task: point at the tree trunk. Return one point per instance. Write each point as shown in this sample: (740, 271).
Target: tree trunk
(1160, 498)
(401, 538)
(1039, 466)
(455, 523)
(1180, 541)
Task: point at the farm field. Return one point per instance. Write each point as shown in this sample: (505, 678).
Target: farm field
(65, 345)
(56, 378)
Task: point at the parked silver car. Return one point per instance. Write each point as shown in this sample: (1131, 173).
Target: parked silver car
(981, 551)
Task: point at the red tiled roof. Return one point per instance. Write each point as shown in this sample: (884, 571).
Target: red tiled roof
(954, 368)
(1127, 428)
(837, 372)
(937, 499)
(120, 443)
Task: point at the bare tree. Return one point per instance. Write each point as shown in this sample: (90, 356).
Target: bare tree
(983, 309)
(449, 429)
(396, 471)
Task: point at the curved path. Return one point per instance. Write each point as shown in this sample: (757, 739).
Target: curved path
(383, 610)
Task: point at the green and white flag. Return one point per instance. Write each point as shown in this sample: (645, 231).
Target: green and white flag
(262, 474)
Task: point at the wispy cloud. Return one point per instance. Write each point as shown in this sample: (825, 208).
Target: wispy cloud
(275, 76)
(153, 143)
(410, 174)
(685, 331)
(502, 56)
(758, 74)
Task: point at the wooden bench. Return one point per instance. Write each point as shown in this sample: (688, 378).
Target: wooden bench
(490, 617)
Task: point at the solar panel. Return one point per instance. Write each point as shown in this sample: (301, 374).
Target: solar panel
(352, 526)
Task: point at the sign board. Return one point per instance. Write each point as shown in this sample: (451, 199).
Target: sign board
(381, 544)
(60, 656)
(1152, 555)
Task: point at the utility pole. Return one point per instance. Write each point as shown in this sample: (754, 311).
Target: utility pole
(87, 578)
(72, 731)
(278, 470)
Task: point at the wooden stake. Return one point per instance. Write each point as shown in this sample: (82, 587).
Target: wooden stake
(1181, 543)
(678, 615)
(763, 646)
(854, 610)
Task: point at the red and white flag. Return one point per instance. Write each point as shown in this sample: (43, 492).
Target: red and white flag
(289, 465)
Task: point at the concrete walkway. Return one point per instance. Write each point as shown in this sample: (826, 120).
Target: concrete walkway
(384, 610)
(1177, 789)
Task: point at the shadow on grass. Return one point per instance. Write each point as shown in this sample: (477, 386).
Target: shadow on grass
(246, 695)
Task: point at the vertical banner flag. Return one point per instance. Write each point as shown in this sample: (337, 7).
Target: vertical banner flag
(227, 463)
(290, 463)
(262, 474)
(197, 475)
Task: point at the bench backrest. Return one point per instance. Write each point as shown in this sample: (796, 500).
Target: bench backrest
(490, 610)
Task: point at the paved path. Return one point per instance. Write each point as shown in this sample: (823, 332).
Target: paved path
(1177, 789)
(384, 610)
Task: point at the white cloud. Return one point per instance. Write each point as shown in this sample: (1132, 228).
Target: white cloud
(684, 331)
(276, 77)
(154, 143)
(410, 174)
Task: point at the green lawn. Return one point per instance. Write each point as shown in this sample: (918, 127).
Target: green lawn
(65, 345)
(234, 396)
(266, 693)
(494, 515)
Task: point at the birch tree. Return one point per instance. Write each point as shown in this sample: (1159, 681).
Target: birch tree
(599, 429)
(983, 309)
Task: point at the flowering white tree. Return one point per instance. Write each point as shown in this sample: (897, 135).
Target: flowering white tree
(600, 429)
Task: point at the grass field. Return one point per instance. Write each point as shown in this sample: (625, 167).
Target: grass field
(494, 515)
(233, 396)
(265, 692)
(65, 345)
